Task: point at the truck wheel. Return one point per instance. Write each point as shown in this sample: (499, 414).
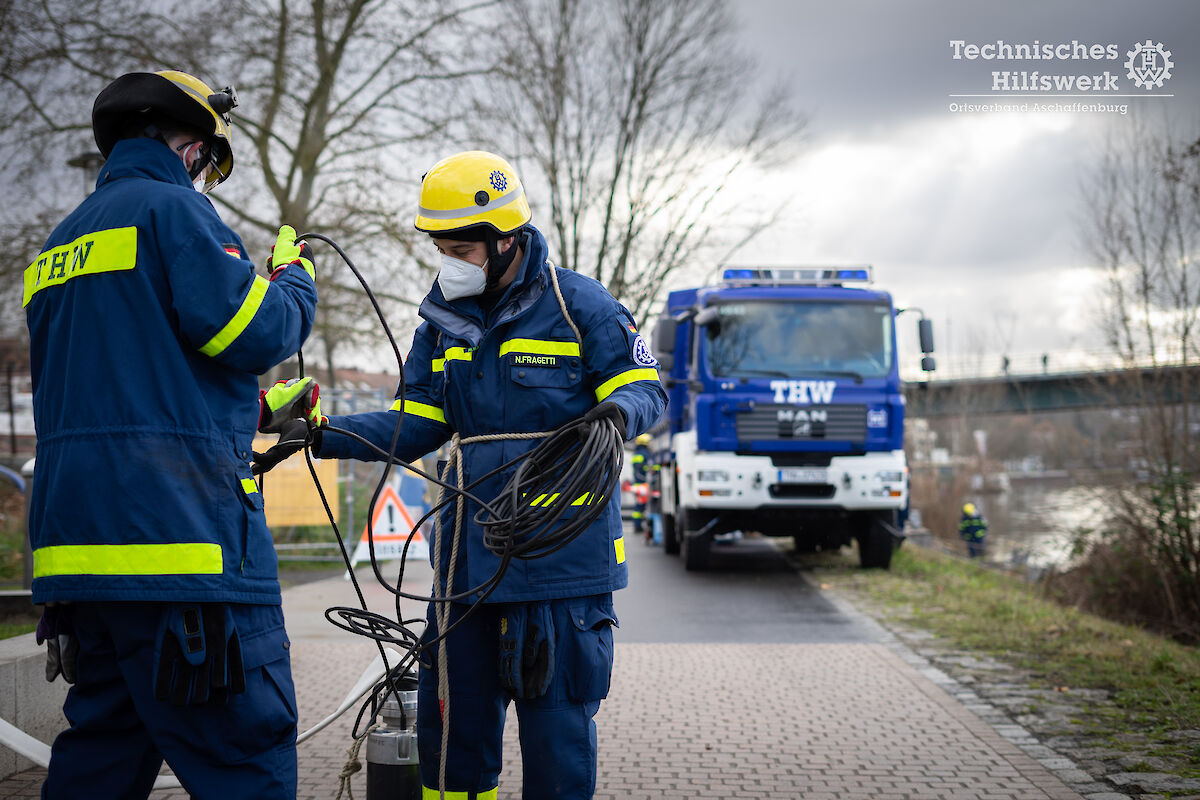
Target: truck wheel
(695, 550)
(670, 535)
(875, 544)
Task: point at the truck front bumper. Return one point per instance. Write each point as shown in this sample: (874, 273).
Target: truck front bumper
(872, 481)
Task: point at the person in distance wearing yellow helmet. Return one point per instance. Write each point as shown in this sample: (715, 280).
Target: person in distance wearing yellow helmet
(148, 328)
(973, 530)
(640, 461)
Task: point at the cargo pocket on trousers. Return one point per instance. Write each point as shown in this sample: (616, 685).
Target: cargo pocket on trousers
(590, 674)
(266, 713)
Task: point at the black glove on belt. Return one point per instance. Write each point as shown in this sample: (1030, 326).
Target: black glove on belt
(526, 650)
(200, 655)
(57, 629)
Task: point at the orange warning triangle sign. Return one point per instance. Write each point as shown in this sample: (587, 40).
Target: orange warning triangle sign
(391, 520)
(391, 525)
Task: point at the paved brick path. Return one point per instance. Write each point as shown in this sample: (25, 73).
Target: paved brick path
(713, 721)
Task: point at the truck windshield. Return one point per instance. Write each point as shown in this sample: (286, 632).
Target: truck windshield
(786, 339)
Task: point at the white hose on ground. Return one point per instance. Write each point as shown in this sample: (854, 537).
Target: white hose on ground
(38, 751)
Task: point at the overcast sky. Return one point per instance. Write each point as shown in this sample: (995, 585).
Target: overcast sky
(972, 216)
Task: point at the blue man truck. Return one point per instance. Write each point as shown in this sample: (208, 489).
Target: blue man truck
(786, 412)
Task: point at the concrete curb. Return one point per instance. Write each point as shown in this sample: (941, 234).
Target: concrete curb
(27, 700)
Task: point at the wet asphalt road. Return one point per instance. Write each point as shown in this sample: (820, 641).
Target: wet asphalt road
(749, 594)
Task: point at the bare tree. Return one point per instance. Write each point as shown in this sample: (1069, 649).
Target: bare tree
(340, 105)
(1144, 230)
(347, 98)
(54, 58)
(636, 115)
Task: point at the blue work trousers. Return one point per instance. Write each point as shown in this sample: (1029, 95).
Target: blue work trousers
(120, 734)
(557, 732)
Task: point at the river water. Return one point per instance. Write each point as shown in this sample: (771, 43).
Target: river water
(1035, 521)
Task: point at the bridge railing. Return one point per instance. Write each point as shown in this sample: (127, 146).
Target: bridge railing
(993, 365)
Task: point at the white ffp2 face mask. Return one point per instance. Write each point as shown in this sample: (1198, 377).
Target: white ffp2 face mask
(460, 278)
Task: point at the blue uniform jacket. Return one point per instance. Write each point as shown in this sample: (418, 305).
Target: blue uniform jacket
(972, 528)
(147, 327)
(514, 368)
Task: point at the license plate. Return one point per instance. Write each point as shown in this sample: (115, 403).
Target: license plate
(804, 475)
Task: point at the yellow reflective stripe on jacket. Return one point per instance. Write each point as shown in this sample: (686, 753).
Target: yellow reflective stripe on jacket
(421, 410)
(91, 254)
(584, 499)
(541, 347)
(619, 546)
(452, 354)
(623, 379)
(235, 326)
(434, 794)
(249, 486)
(180, 558)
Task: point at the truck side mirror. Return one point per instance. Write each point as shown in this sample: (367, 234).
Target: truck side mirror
(925, 333)
(664, 340)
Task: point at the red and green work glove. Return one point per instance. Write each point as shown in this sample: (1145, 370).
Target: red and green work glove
(299, 398)
(287, 251)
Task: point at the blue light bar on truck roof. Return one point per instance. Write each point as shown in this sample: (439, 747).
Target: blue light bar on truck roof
(796, 276)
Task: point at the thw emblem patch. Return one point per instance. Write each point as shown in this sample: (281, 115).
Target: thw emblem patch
(642, 354)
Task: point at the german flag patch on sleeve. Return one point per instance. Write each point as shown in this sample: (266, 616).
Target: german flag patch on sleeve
(233, 250)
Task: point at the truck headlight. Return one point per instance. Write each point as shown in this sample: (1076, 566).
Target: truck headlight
(712, 476)
(889, 476)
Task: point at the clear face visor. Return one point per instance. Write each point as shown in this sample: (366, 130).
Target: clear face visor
(212, 174)
(200, 160)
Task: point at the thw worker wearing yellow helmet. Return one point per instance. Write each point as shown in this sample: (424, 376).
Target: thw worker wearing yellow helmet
(972, 527)
(148, 329)
(511, 344)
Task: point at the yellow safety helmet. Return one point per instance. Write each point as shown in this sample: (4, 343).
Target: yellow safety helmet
(969, 509)
(176, 96)
(472, 189)
(645, 438)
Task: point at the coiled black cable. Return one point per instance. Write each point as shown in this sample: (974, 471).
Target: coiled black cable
(578, 466)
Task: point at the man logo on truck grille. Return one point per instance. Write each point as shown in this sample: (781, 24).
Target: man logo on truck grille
(801, 422)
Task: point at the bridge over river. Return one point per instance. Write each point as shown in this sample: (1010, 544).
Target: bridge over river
(1064, 390)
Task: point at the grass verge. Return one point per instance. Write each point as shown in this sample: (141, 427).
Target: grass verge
(1154, 682)
(11, 629)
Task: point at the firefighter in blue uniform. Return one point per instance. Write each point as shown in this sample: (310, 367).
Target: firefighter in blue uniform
(511, 344)
(641, 475)
(972, 527)
(148, 327)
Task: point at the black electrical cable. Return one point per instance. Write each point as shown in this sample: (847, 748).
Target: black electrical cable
(576, 466)
(572, 468)
(546, 465)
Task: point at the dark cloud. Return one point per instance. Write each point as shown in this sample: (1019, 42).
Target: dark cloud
(974, 217)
